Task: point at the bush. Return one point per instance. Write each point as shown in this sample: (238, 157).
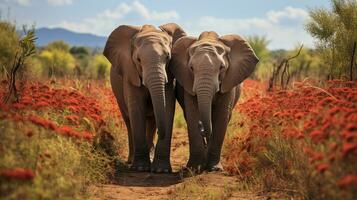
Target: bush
(99, 68)
(8, 46)
(300, 141)
(57, 62)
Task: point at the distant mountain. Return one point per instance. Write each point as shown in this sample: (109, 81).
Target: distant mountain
(47, 35)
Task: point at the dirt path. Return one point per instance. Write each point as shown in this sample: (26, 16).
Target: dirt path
(130, 185)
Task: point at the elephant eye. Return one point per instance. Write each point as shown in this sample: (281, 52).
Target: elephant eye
(191, 68)
(222, 67)
(139, 60)
(168, 57)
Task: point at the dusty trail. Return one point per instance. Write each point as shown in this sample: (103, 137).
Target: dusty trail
(130, 185)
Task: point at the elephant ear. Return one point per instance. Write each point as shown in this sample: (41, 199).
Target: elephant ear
(174, 30)
(118, 51)
(179, 63)
(242, 61)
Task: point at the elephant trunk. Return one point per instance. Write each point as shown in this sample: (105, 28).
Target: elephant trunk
(204, 91)
(155, 82)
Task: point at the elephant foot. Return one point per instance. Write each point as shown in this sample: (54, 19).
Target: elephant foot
(215, 168)
(141, 165)
(190, 171)
(194, 168)
(130, 160)
(161, 166)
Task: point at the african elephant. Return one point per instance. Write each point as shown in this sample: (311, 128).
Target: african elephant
(209, 71)
(144, 89)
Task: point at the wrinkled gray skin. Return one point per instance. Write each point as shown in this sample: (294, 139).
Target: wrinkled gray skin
(144, 90)
(209, 71)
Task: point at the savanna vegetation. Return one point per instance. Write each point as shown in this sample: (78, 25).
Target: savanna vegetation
(293, 133)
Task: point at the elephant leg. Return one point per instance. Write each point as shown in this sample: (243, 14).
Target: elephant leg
(130, 140)
(150, 132)
(221, 113)
(197, 158)
(136, 101)
(161, 162)
(117, 87)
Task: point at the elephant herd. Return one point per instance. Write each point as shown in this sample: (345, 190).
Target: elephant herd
(153, 67)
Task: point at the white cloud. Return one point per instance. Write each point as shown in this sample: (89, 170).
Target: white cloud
(104, 22)
(19, 2)
(24, 2)
(283, 27)
(288, 13)
(60, 2)
(154, 15)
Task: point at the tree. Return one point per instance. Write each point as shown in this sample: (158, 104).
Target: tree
(336, 32)
(260, 47)
(79, 52)
(100, 67)
(9, 43)
(57, 62)
(26, 49)
(58, 45)
(82, 58)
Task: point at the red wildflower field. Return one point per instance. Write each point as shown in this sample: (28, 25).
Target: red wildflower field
(37, 98)
(302, 140)
(320, 123)
(53, 133)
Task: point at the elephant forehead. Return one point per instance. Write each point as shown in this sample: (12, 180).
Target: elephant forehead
(208, 46)
(153, 36)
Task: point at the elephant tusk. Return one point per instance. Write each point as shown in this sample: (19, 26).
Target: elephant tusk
(205, 142)
(201, 128)
(205, 138)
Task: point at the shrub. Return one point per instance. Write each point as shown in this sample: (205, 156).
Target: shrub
(8, 46)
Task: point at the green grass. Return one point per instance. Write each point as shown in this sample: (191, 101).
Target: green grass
(197, 188)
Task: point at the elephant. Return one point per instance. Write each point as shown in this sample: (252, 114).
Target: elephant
(208, 72)
(144, 90)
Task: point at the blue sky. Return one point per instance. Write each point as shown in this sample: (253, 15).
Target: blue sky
(281, 21)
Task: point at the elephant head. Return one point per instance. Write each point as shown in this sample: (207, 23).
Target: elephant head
(140, 55)
(211, 64)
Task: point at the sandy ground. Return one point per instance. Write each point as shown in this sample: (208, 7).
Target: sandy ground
(131, 185)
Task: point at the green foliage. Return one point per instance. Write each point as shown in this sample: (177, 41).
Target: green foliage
(180, 122)
(27, 44)
(9, 44)
(58, 45)
(99, 68)
(260, 46)
(336, 32)
(79, 51)
(307, 64)
(56, 59)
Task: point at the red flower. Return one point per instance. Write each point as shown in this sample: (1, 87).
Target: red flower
(41, 104)
(317, 135)
(347, 180)
(72, 118)
(18, 106)
(18, 173)
(321, 168)
(348, 148)
(42, 122)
